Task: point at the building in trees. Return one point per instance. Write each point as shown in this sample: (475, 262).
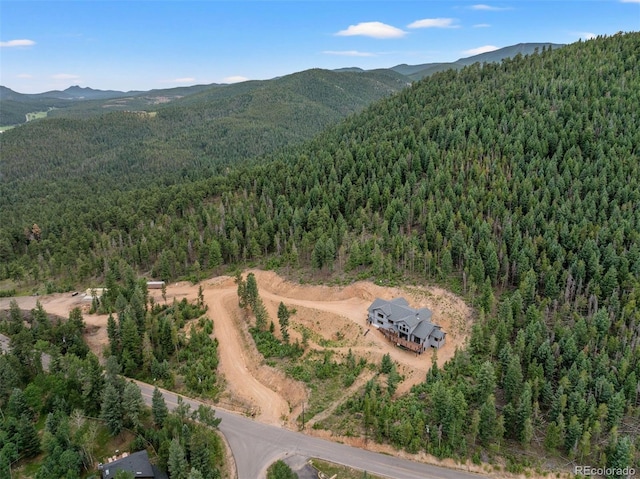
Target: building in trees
(155, 284)
(137, 464)
(408, 327)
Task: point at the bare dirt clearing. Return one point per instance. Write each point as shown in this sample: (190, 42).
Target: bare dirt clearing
(334, 316)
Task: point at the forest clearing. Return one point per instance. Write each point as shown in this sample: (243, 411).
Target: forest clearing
(335, 318)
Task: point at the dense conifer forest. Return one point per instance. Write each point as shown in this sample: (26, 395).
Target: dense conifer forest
(516, 184)
(61, 408)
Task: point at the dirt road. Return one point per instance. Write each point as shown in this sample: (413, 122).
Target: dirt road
(336, 316)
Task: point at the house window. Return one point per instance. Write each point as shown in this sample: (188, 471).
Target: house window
(380, 315)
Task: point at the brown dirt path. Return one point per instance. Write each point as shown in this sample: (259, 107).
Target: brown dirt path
(238, 362)
(335, 315)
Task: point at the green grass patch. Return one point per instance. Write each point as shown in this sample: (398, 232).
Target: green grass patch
(271, 347)
(326, 378)
(343, 472)
(36, 115)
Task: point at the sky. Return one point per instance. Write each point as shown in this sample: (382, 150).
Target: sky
(155, 44)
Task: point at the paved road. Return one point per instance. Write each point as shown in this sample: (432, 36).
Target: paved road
(255, 446)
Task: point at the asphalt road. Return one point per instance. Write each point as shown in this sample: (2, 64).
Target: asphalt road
(255, 446)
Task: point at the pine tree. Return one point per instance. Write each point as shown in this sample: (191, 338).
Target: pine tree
(195, 474)
(132, 405)
(215, 253)
(488, 418)
(620, 453)
(252, 291)
(28, 441)
(159, 408)
(283, 319)
(177, 464)
(386, 365)
(112, 410)
(114, 336)
(486, 382)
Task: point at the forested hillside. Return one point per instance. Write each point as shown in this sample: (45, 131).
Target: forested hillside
(418, 72)
(63, 416)
(191, 138)
(362, 89)
(15, 106)
(517, 183)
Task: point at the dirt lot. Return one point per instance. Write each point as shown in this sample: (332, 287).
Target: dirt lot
(335, 316)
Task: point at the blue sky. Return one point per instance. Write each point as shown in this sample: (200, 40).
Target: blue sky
(143, 45)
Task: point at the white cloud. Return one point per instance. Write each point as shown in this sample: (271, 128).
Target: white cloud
(235, 79)
(630, 1)
(433, 23)
(487, 8)
(17, 43)
(481, 25)
(479, 50)
(373, 30)
(25, 76)
(586, 35)
(349, 53)
(64, 76)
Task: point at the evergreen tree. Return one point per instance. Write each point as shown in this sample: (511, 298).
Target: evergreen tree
(387, 364)
(27, 440)
(486, 382)
(177, 464)
(112, 410)
(114, 336)
(132, 405)
(620, 455)
(252, 291)
(131, 346)
(283, 318)
(159, 408)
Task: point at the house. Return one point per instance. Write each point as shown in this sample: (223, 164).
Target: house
(411, 328)
(137, 464)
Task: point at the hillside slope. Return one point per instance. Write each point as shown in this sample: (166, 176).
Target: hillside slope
(517, 183)
(78, 102)
(192, 137)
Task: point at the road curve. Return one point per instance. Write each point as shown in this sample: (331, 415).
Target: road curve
(255, 446)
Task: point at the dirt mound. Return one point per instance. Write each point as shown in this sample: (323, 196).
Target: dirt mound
(334, 317)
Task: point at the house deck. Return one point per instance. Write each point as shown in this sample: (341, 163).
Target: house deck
(395, 338)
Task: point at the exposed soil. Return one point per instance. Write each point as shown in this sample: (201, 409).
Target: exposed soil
(335, 316)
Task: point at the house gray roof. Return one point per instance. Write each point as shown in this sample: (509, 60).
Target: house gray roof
(137, 463)
(438, 333)
(386, 305)
(423, 330)
(398, 309)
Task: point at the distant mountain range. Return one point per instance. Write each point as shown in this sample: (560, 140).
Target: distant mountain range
(417, 72)
(15, 106)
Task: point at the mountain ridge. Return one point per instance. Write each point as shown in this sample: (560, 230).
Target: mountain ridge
(83, 93)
